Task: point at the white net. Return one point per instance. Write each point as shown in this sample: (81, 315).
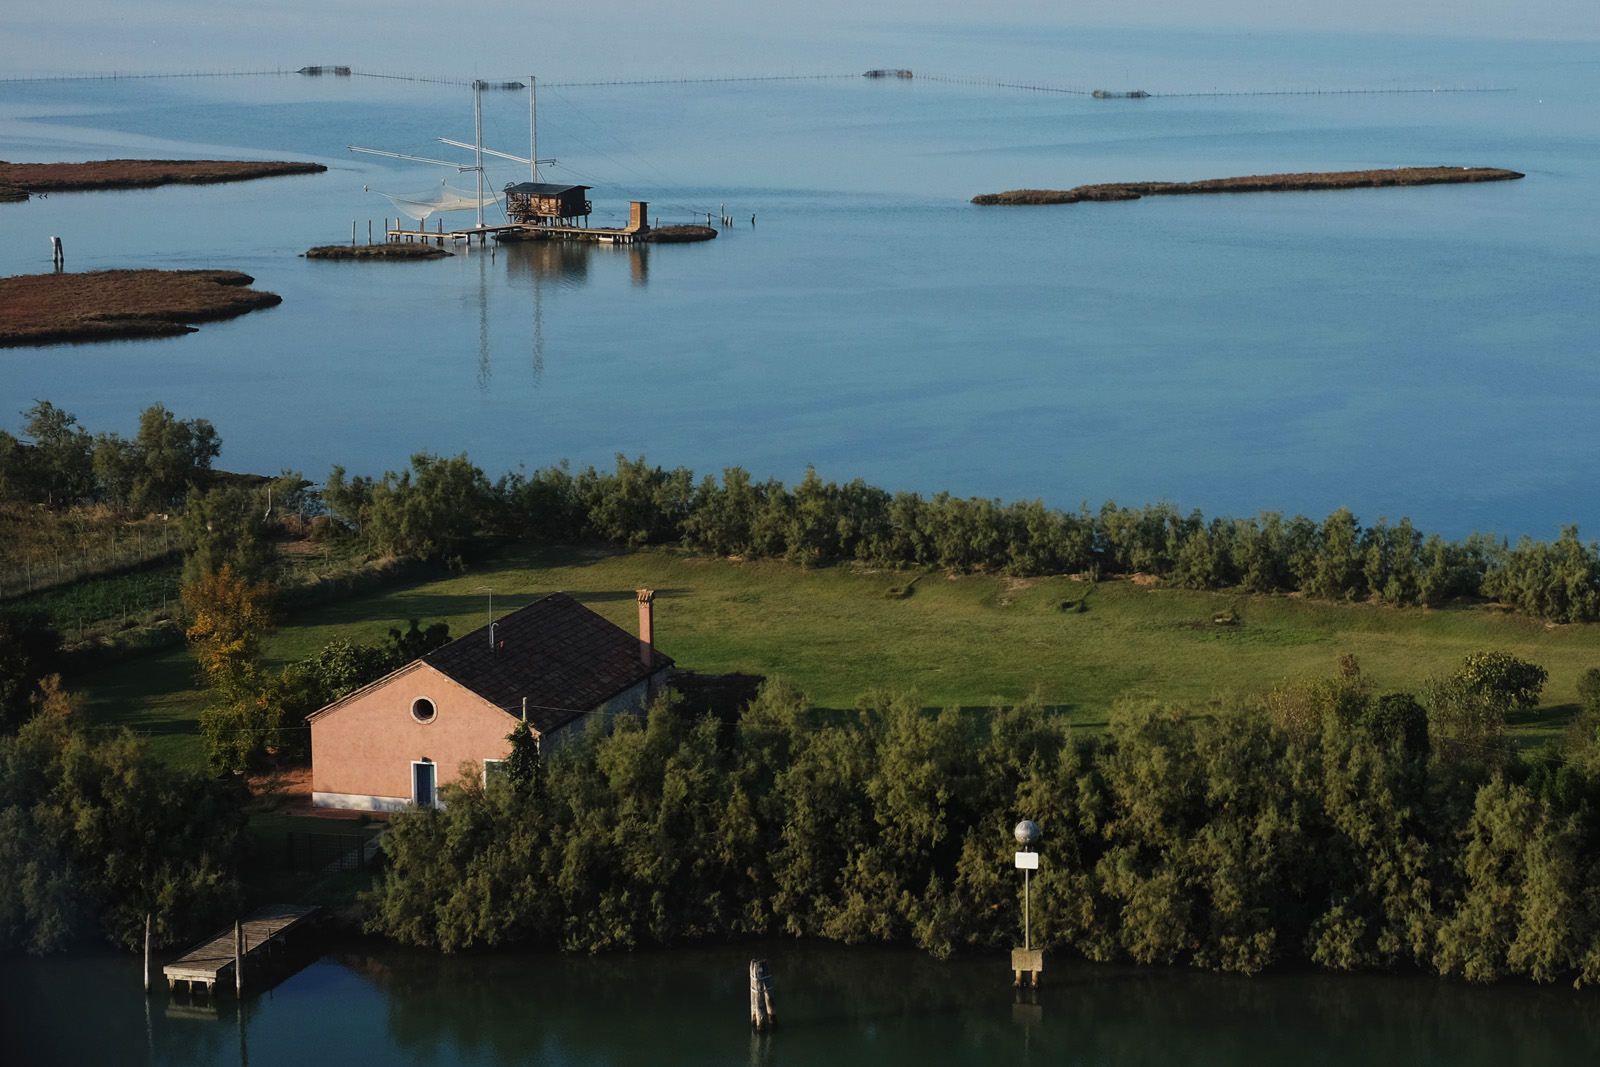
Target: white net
(444, 198)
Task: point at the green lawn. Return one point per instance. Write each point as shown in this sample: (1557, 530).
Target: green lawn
(838, 632)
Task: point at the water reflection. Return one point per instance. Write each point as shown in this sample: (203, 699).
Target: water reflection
(904, 1008)
(534, 263)
(888, 1007)
(566, 263)
(484, 373)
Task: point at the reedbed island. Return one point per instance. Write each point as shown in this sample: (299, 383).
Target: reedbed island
(106, 305)
(1256, 183)
(20, 180)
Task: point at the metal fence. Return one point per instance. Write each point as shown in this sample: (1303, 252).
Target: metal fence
(325, 853)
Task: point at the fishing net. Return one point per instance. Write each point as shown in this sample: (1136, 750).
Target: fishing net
(444, 198)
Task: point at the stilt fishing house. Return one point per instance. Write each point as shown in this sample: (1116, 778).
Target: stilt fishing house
(545, 203)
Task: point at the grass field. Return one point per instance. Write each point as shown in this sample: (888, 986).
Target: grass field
(970, 640)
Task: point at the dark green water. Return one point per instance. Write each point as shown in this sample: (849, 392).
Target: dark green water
(836, 1006)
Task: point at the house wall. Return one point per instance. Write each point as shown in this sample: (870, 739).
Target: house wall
(361, 753)
(635, 701)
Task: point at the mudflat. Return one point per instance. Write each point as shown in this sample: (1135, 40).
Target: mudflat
(104, 305)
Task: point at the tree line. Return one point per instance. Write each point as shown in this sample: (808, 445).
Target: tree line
(433, 508)
(438, 505)
(1331, 825)
(61, 464)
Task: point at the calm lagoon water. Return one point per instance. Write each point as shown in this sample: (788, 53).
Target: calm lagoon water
(838, 1006)
(1423, 352)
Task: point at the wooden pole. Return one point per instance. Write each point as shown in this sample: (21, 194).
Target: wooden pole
(761, 1015)
(147, 953)
(238, 959)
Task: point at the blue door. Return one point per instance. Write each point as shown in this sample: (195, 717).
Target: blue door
(422, 779)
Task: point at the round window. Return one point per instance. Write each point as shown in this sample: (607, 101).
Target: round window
(422, 709)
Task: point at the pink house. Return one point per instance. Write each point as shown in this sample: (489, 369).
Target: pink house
(553, 663)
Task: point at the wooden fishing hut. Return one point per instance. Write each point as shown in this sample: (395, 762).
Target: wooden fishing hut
(547, 204)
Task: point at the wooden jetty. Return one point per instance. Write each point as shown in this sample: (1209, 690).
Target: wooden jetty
(520, 231)
(533, 222)
(482, 233)
(227, 950)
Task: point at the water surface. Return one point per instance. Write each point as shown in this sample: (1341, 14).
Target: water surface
(1419, 352)
(885, 1007)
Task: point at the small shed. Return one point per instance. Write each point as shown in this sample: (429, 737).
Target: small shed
(539, 203)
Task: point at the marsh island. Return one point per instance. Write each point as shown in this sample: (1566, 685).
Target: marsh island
(1257, 183)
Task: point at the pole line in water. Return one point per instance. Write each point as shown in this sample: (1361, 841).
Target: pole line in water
(946, 79)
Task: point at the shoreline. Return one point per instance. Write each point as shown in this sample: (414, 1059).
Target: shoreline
(1313, 181)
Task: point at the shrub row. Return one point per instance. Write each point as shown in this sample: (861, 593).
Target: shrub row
(432, 508)
(1233, 841)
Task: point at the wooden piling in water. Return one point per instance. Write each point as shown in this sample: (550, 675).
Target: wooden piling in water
(761, 1014)
(238, 959)
(147, 953)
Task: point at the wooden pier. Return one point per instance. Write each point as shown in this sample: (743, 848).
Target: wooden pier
(482, 233)
(252, 937)
(519, 231)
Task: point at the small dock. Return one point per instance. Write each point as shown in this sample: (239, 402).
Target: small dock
(519, 231)
(209, 960)
(482, 233)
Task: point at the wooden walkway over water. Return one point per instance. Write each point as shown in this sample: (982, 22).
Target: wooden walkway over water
(207, 961)
(604, 235)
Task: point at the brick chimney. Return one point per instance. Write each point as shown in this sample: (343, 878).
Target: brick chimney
(647, 652)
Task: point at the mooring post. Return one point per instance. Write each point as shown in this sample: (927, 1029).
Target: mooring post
(238, 959)
(761, 1014)
(147, 953)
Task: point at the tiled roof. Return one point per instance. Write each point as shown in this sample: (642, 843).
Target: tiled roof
(560, 655)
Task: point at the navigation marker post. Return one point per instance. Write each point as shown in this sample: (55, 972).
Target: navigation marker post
(1027, 959)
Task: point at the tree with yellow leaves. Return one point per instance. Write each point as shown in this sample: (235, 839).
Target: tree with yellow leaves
(230, 615)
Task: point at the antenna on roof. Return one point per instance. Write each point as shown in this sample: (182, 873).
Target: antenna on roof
(490, 591)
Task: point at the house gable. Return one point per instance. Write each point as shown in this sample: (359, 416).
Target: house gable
(365, 752)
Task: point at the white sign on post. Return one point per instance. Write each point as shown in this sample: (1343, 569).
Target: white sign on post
(1027, 861)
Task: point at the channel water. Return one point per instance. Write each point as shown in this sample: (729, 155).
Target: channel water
(886, 1007)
